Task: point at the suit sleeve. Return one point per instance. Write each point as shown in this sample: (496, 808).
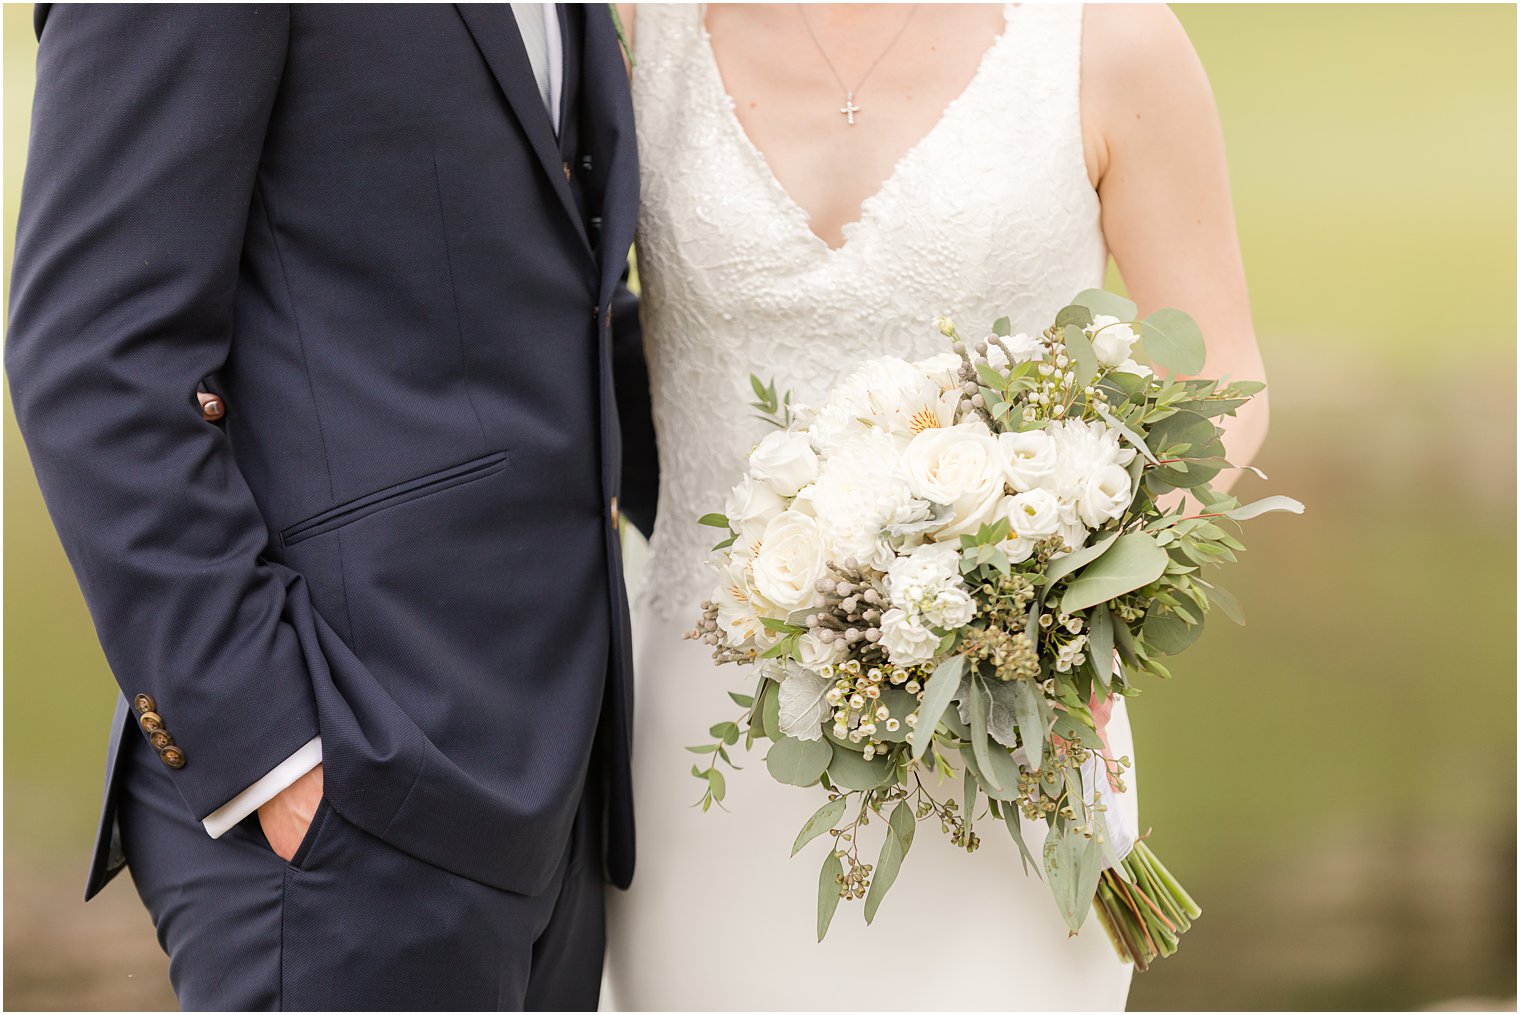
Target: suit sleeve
(147, 131)
(641, 463)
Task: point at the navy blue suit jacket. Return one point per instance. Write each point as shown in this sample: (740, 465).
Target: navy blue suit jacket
(357, 224)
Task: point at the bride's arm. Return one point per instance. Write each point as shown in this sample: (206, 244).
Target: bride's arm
(1155, 153)
(626, 14)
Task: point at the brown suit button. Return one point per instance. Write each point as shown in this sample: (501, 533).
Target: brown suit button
(173, 757)
(160, 739)
(151, 721)
(145, 703)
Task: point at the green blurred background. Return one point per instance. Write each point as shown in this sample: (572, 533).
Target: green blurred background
(1335, 781)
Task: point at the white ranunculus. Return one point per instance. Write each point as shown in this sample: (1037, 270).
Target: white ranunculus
(785, 461)
(815, 655)
(1105, 495)
(960, 467)
(1028, 458)
(790, 562)
(907, 640)
(1023, 347)
(1111, 338)
(751, 503)
(1033, 515)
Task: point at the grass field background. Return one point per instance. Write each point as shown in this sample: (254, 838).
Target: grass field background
(1335, 781)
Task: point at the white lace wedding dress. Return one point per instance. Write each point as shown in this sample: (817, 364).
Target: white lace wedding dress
(991, 213)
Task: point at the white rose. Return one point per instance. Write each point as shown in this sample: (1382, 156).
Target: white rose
(908, 642)
(1105, 495)
(785, 461)
(1111, 339)
(1033, 515)
(960, 467)
(790, 562)
(815, 655)
(1028, 458)
(751, 503)
(1129, 366)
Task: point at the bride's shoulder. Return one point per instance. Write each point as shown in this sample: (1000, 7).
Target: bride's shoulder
(1137, 64)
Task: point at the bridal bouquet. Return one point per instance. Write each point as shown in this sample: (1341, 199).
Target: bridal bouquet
(949, 568)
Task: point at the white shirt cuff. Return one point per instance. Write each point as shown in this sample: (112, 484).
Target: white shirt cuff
(220, 821)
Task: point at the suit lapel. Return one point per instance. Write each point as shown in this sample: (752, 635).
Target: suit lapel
(496, 35)
(609, 132)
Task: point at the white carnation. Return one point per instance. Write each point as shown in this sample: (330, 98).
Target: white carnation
(927, 584)
(907, 640)
(861, 493)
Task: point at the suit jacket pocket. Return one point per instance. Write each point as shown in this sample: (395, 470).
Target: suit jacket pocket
(393, 496)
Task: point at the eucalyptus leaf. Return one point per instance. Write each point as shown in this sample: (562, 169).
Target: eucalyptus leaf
(1101, 301)
(1261, 507)
(1002, 767)
(1062, 856)
(900, 827)
(1100, 644)
(851, 770)
(937, 694)
(1002, 327)
(1031, 724)
(770, 710)
(1226, 602)
(1133, 562)
(828, 891)
(1015, 829)
(1079, 350)
(1168, 633)
(1074, 314)
(1060, 567)
(979, 730)
(1129, 435)
(823, 819)
(798, 762)
(1172, 340)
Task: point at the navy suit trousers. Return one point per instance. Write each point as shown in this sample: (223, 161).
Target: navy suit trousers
(352, 923)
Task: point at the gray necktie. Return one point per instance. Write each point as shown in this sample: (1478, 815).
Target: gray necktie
(530, 23)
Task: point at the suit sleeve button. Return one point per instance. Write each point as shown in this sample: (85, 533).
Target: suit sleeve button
(151, 721)
(173, 757)
(144, 703)
(160, 739)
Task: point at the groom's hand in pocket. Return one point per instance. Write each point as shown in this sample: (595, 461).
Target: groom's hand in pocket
(286, 817)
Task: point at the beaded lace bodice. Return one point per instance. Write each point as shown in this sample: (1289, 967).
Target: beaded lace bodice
(991, 213)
